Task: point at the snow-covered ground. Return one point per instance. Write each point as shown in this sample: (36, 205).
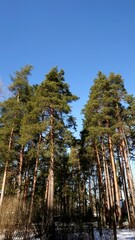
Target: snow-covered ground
(107, 234)
(125, 234)
(122, 234)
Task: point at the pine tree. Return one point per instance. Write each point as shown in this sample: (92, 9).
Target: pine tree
(12, 111)
(51, 109)
(105, 115)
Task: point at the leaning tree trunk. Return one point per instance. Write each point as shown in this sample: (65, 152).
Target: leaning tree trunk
(6, 168)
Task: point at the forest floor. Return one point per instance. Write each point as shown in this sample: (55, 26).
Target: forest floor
(122, 234)
(107, 234)
(125, 234)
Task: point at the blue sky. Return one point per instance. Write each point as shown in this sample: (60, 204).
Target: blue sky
(79, 36)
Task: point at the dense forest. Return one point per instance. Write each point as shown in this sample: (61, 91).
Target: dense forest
(49, 176)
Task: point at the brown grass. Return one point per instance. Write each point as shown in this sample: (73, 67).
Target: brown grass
(12, 217)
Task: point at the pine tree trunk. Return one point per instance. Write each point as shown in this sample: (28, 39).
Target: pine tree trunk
(111, 197)
(90, 196)
(129, 181)
(100, 188)
(79, 185)
(125, 155)
(108, 201)
(3, 183)
(122, 171)
(34, 179)
(49, 194)
(20, 172)
(26, 186)
(6, 168)
(116, 189)
(26, 183)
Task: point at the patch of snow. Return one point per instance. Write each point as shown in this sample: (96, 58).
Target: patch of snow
(126, 234)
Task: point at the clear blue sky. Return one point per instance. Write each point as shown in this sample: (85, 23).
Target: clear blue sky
(79, 36)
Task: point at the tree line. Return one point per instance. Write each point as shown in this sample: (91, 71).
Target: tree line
(48, 173)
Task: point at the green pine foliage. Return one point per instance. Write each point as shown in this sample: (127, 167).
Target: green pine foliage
(36, 137)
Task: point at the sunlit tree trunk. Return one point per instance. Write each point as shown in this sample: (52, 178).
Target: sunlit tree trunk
(6, 168)
(126, 171)
(129, 178)
(20, 172)
(122, 171)
(100, 185)
(49, 194)
(34, 179)
(108, 196)
(116, 189)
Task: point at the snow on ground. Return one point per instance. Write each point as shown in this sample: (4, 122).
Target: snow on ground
(122, 234)
(126, 234)
(107, 234)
